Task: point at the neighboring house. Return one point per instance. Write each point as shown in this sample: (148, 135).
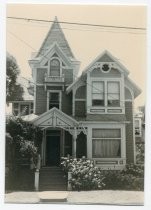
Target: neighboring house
(23, 107)
(139, 119)
(89, 116)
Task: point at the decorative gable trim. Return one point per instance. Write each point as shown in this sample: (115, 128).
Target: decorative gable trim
(55, 118)
(55, 49)
(113, 61)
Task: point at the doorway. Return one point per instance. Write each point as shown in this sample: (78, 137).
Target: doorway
(53, 150)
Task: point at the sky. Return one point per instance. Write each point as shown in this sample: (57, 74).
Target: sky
(128, 46)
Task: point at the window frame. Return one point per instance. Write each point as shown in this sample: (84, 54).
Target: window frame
(109, 125)
(105, 109)
(49, 64)
(60, 97)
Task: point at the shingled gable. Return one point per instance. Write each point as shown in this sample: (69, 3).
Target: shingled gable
(55, 34)
(106, 56)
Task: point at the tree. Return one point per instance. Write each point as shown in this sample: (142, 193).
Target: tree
(13, 90)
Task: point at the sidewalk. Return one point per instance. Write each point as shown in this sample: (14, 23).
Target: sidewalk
(101, 197)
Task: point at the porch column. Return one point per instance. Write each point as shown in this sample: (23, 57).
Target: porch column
(74, 143)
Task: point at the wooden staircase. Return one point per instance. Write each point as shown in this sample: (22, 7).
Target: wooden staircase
(52, 179)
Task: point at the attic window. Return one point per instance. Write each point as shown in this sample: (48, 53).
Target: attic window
(54, 67)
(105, 67)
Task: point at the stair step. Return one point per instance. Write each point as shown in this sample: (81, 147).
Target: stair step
(52, 178)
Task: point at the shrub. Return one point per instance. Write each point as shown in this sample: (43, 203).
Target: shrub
(131, 178)
(85, 175)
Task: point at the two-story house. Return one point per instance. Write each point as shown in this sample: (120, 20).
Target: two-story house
(90, 115)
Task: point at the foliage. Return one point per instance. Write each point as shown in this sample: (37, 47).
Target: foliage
(140, 153)
(131, 178)
(85, 176)
(25, 137)
(13, 90)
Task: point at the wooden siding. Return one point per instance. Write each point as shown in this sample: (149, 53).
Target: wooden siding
(80, 108)
(41, 74)
(41, 100)
(81, 93)
(129, 133)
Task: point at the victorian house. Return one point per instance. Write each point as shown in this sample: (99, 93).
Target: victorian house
(90, 115)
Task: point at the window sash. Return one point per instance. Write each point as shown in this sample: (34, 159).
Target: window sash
(106, 93)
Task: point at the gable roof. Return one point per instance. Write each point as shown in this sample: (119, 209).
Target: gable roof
(54, 118)
(106, 56)
(55, 34)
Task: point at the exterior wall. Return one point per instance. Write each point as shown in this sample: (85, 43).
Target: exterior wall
(81, 93)
(41, 75)
(68, 75)
(129, 132)
(41, 100)
(67, 103)
(80, 102)
(80, 108)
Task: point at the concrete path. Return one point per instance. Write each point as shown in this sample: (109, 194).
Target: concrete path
(84, 197)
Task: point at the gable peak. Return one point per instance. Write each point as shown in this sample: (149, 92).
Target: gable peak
(55, 35)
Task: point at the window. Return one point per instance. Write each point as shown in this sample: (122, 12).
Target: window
(106, 143)
(54, 67)
(138, 127)
(54, 100)
(105, 67)
(113, 94)
(106, 93)
(97, 93)
(24, 109)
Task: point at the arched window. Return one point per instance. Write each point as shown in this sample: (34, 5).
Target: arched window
(54, 67)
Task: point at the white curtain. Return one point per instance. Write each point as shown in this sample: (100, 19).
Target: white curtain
(106, 148)
(106, 142)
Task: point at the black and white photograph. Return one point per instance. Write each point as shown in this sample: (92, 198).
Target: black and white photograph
(75, 104)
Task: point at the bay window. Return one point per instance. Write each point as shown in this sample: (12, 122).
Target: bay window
(106, 143)
(106, 93)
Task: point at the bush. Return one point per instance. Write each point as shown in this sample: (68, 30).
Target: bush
(131, 178)
(85, 175)
(140, 151)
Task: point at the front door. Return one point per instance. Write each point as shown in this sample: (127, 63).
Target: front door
(52, 150)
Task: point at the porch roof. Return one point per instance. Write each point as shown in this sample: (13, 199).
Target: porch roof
(55, 118)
